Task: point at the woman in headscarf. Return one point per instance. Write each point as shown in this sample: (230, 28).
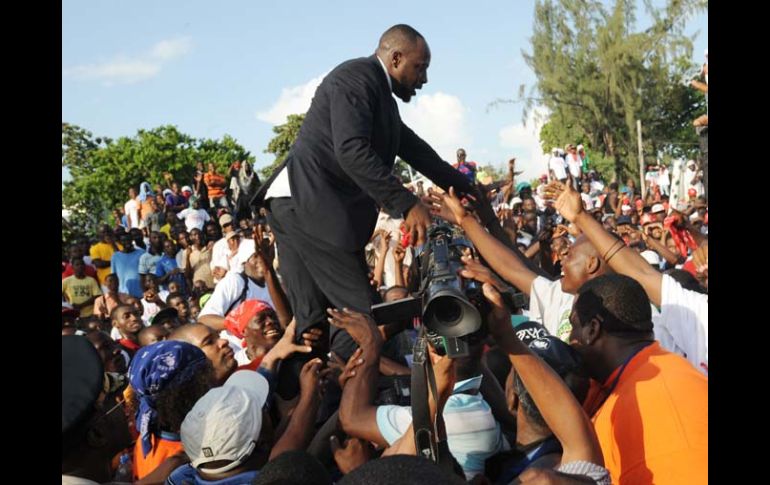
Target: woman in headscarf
(167, 379)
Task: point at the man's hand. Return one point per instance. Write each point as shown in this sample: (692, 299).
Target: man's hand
(568, 201)
(399, 254)
(384, 243)
(309, 377)
(286, 346)
(312, 338)
(345, 370)
(354, 453)
(444, 371)
(361, 327)
(473, 269)
(416, 222)
(447, 206)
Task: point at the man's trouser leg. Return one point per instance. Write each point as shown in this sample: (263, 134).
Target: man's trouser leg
(317, 276)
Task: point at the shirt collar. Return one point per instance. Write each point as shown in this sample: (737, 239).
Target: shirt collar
(387, 76)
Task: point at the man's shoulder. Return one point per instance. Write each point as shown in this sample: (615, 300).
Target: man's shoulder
(364, 69)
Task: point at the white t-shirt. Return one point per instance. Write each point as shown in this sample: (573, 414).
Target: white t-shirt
(131, 209)
(558, 166)
(573, 162)
(229, 290)
(220, 255)
(683, 324)
(194, 218)
(551, 306)
(384, 221)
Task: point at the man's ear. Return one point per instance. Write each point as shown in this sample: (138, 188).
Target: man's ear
(593, 330)
(397, 58)
(592, 264)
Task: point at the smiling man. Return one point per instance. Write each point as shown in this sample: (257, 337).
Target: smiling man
(322, 201)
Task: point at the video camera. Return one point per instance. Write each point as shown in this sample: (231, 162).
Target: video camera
(449, 306)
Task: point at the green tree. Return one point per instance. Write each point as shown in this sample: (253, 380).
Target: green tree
(597, 75)
(285, 136)
(102, 169)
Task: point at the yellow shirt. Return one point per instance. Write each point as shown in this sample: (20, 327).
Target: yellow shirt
(79, 290)
(104, 252)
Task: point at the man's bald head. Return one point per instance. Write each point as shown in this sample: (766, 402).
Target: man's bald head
(406, 56)
(398, 37)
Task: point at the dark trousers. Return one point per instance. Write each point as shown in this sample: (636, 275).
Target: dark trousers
(317, 276)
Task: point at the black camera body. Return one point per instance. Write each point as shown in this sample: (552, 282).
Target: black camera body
(450, 307)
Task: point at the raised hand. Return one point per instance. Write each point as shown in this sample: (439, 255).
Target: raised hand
(361, 327)
(446, 206)
(310, 377)
(345, 370)
(473, 269)
(568, 201)
(286, 346)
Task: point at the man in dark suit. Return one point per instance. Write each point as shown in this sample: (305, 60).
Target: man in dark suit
(324, 199)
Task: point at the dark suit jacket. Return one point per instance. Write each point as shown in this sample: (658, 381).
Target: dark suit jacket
(340, 167)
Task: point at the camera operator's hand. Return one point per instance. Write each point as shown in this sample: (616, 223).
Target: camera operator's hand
(473, 269)
(447, 206)
(361, 327)
(444, 371)
(416, 222)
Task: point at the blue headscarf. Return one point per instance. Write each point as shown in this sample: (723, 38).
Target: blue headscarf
(157, 367)
(144, 191)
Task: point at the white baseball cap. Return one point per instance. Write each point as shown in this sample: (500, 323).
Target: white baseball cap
(657, 208)
(226, 422)
(246, 250)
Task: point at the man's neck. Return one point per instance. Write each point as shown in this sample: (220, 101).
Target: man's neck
(620, 355)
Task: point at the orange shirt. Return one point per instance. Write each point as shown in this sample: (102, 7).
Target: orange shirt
(215, 184)
(653, 427)
(161, 449)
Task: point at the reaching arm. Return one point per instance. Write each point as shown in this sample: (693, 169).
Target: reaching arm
(561, 411)
(301, 426)
(501, 258)
(358, 415)
(625, 261)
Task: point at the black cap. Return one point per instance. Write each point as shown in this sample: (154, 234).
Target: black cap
(82, 380)
(164, 315)
(529, 331)
(559, 355)
(401, 469)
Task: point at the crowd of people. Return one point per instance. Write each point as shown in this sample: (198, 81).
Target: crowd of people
(187, 315)
(204, 342)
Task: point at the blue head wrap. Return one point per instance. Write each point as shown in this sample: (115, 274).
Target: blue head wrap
(157, 367)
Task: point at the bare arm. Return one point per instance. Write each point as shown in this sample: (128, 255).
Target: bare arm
(501, 258)
(625, 261)
(561, 411)
(300, 429)
(358, 415)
